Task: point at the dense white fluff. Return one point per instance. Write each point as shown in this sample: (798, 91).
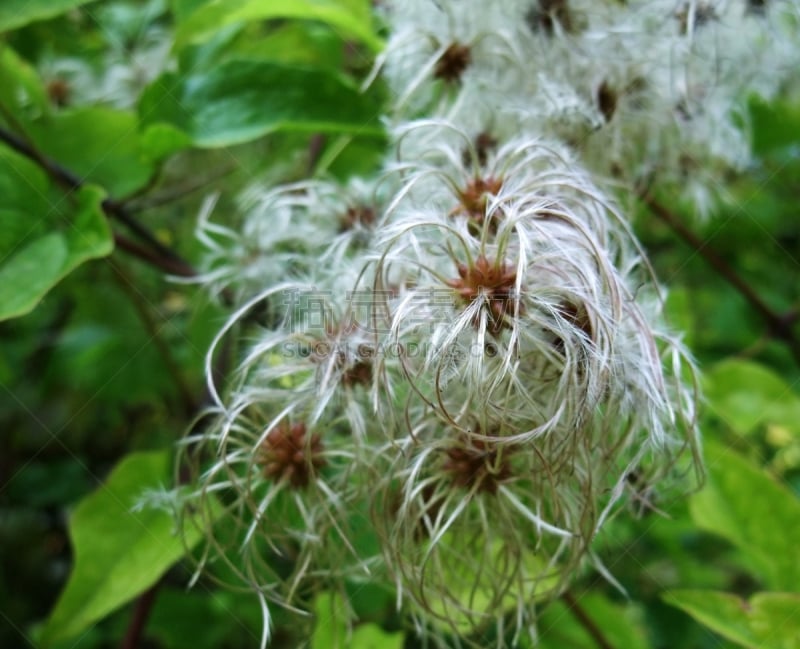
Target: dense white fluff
(638, 89)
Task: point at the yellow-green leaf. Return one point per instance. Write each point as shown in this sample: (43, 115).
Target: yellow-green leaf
(17, 13)
(765, 621)
(119, 550)
(43, 235)
(754, 512)
(352, 18)
(331, 629)
(21, 90)
(745, 394)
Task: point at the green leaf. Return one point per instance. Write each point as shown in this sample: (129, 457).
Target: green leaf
(30, 273)
(371, 601)
(680, 313)
(99, 144)
(204, 56)
(242, 100)
(16, 13)
(766, 621)
(745, 394)
(472, 587)
(21, 90)
(331, 629)
(159, 141)
(775, 124)
(182, 9)
(755, 513)
(119, 552)
(43, 237)
(352, 18)
(294, 42)
(228, 619)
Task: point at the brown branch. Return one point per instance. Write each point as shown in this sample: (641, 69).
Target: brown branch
(585, 621)
(113, 209)
(145, 254)
(55, 171)
(780, 324)
(141, 612)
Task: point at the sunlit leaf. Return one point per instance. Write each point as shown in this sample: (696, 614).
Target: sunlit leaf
(119, 551)
(331, 629)
(43, 236)
(766, 621)
(182, 9)
(755, 513)
(745, 394)
(16, 13)
(470, 589)
(350, 17)
(99, 144)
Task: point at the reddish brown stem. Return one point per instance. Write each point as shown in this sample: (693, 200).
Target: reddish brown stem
(166, 264)
(585, 621)
(141, 612)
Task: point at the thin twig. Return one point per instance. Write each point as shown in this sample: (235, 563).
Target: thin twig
(585, 621)
(172, 194)
(56, 172)
(316, 146)
(780, 324)
(154, 331)
(145, 254)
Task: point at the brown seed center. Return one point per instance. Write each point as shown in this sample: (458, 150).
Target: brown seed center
(290, 454)
(493, 282)
(453, 63)
(477, 464)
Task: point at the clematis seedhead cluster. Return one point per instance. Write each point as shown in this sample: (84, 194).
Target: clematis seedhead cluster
(461, 370)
